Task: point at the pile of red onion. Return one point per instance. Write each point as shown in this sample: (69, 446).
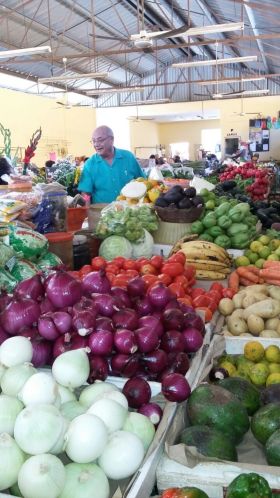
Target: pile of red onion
(130, 333)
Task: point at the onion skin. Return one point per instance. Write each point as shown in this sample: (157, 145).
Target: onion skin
(42, 352)
(67, 342)
(156, 361)
(96, 281)
(125, 341)
(193, 340)
(63, 290)
(136, 287)
(175, 387)
(147, 339)
(101, 343)
(104, 323)
(122, 298)
(159, 296)
(31, 288)
(126, 319)
(3, 335)
(125, 365)
(153, 323)
(137, 392)
(47, 328)
(18, 314)
(179, 362)
(173, 319)
(153, 411)
(173, 342)
(99, 368)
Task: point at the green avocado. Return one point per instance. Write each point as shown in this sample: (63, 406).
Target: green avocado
(209, 442)
(244, 390)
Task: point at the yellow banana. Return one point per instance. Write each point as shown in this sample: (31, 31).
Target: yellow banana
(208, 255)
(201, 245)
(210, 275)
(202, 264)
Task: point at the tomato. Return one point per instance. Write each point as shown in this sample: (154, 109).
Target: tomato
(164, 278)
(157, 261)
(85, 270)
(140, 262)
(129, 264)
(215, 295)
(150, 280)
(173, 269)
(197, 292)
(98, 262)
(228, 293)
(170, 493)
(181, 279)
(176, 289)
(202, 300)
(178, 257)
(189, 272)
(185, 300)
(119, 261)
(212, 305)
(207, 313)
(131, 273)
(148, 269)
(110, 276)
(216, 286)
(112, 268)
(120, 281)
(74, 274)
(192, 282)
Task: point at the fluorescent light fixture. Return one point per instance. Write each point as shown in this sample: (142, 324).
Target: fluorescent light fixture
(4, 54)
(214, 62)
(74, 77)
(146, 102)
(214, 28)
(246, 92)
(101, 91)
(236, 80)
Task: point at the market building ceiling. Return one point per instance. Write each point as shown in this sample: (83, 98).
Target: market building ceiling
(132, 45)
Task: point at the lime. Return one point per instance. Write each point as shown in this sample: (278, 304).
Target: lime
(254, 351)
(204, 192)
(258, 373)
(264, 252)
(264, 239)
(273, 257)
(253, 257)
(272, 353)
(229, 367)
(256, 246)
(241, 261)
(273, 378)
(274, 367)
(259, 263)
(277, 251)
(274, 244)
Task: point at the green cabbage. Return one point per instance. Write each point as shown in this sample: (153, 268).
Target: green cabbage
(144, 248)
(115, 246)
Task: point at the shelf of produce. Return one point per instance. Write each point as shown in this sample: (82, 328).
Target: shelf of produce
(213, 477)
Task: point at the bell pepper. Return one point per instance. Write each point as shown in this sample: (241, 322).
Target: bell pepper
(239, 212)
(249, 486)
(237, 228)
(222, 209)
(224, 222)
(223, 241)
(184, 493)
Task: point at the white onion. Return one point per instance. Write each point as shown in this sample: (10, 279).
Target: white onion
(38, 428)
(71, 369)
(42, 476)
(90, 393)
(85, 480)
(115, 396)
(58, 448)
(122, 455)
(141, 426)
(86, 438)
(112, 413)
(11, 460)
(15, 377)
(72, 409)
(15, 350)
(65, 394)
(39, 388)
(9, 409)
(2, 370)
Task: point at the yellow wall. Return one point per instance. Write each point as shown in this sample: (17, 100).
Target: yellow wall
(23, 113)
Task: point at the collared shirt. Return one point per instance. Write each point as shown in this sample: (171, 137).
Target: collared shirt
(104, 181)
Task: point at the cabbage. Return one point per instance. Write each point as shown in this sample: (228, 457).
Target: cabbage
(115, 246)
(144, 248)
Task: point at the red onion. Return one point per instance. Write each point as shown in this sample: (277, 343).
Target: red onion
(105, 304)
(96, 281)
(85, 303)
(125, 319)
(62, 321)
(3, 335)
(125, 341)
(18, 314)
(31, 288)
(136, 287)
(29, 332)
(143, 306)
(68, 342)
(173, 319)
(173, 304)
(179, 362)
(175, 387)
(5, 299)
(99, 368)
(152, 322)
(195, 321)
(125, 365)
(193, 339)
(101, 343)
(63, 290)
(47, 328)
(157, 315)
(159, 296)
(46, 306)
(147, 339)
(84, 322)
(137, 392)
(122, 298)
(173, 341)
(153, 411)
(185, 308)
(144, 374)
(156, 361)
(42, 351)
(104, 323)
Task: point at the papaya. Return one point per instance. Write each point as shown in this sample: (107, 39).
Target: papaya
(212, 405)
(244, 390)
(272, 449)
(266, 421)
(209, 442)
(187, 492)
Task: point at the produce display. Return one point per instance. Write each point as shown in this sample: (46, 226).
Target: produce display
(178, 197)
(249, 178)
(262, 252)
(153, 189)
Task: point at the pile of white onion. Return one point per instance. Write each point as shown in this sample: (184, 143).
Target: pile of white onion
(43, 422)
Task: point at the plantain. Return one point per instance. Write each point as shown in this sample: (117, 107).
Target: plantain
(210, 275)
(202, 264)
(202, 250)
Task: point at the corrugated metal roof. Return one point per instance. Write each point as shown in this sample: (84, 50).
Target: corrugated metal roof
(94, 36)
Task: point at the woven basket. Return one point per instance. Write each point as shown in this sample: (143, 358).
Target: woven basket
(176, 215)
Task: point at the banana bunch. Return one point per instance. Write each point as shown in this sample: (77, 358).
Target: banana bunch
(211, 262)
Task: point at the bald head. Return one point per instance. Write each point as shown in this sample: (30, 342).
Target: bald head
(103, 141)
(103, 131)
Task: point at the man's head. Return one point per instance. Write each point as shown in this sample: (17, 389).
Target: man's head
(103, 141)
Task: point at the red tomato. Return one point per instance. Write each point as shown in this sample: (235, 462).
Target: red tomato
(186, 300)
(215, 295)
(85, 270)
(131, 273)
(120, 281)
(178, 257)
(148, 269)
(98, 262)
(164, 279)
(170, 493)
(216, 286)
(181, 279)
(110, 276)
(228, 293)
(192, 282)
(140, 262)
(119, 261)
(112, 268)
(177, 289)
(129, 264)
(173, 269)
(157, 261)
(212, 305)
(202, 300)
(189, 272)
(207, 313)
(74, 274)
(150, 280)
(197, 292)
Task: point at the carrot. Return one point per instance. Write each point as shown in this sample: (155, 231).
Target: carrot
(233, 281)
(245, 273)
(273, 282)
(271, 264)
(271, 273)
(253, 269)
(245, 282)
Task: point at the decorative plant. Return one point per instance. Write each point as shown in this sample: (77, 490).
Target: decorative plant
(30, 150)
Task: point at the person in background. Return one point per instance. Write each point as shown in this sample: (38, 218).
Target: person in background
(107, 171)
(176, 159)
(48, 165)
(5, 171)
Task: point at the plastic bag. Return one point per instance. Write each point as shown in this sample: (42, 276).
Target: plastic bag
(23, 269)
(7, 253)
(49, 260)
(7, 281)
(31, 244)
(155, 174)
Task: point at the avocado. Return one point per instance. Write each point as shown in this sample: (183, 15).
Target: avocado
(209, 442)
(185, 203)
(190, 192)
(161, 202)
(174, 196)
(212, 405)
(266, 421)
(272, 449)
(244, 390)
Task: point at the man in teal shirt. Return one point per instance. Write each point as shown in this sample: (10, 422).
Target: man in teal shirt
(109, 170)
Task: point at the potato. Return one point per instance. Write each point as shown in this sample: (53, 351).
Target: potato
(260, 296)
(227, 333)
(248, 300)
(272, 323)
(246, 334)
(268, 308)
(257, 289)
(226, 306)
(237, 326)
(255, 324)
(238, 299)
(238, 313)
(274, 292)
(269, 333)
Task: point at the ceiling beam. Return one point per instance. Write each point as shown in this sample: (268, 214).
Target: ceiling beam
(258, 6)
(251, 17)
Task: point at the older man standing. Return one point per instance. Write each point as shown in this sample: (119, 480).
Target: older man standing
(106, 172)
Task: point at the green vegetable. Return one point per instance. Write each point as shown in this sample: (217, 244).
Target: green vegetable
(144, 248)
(197, 227)
(209, 220)
(7, 254)
(237, 228)
(223, 241)
(206, 236)
(48, 260)
(222, 209)
(240, 241)
(24, 269)
(249, 486)
(224, 222)
(239, 212)
(7, 281)
(215, 231)
(115, 246)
